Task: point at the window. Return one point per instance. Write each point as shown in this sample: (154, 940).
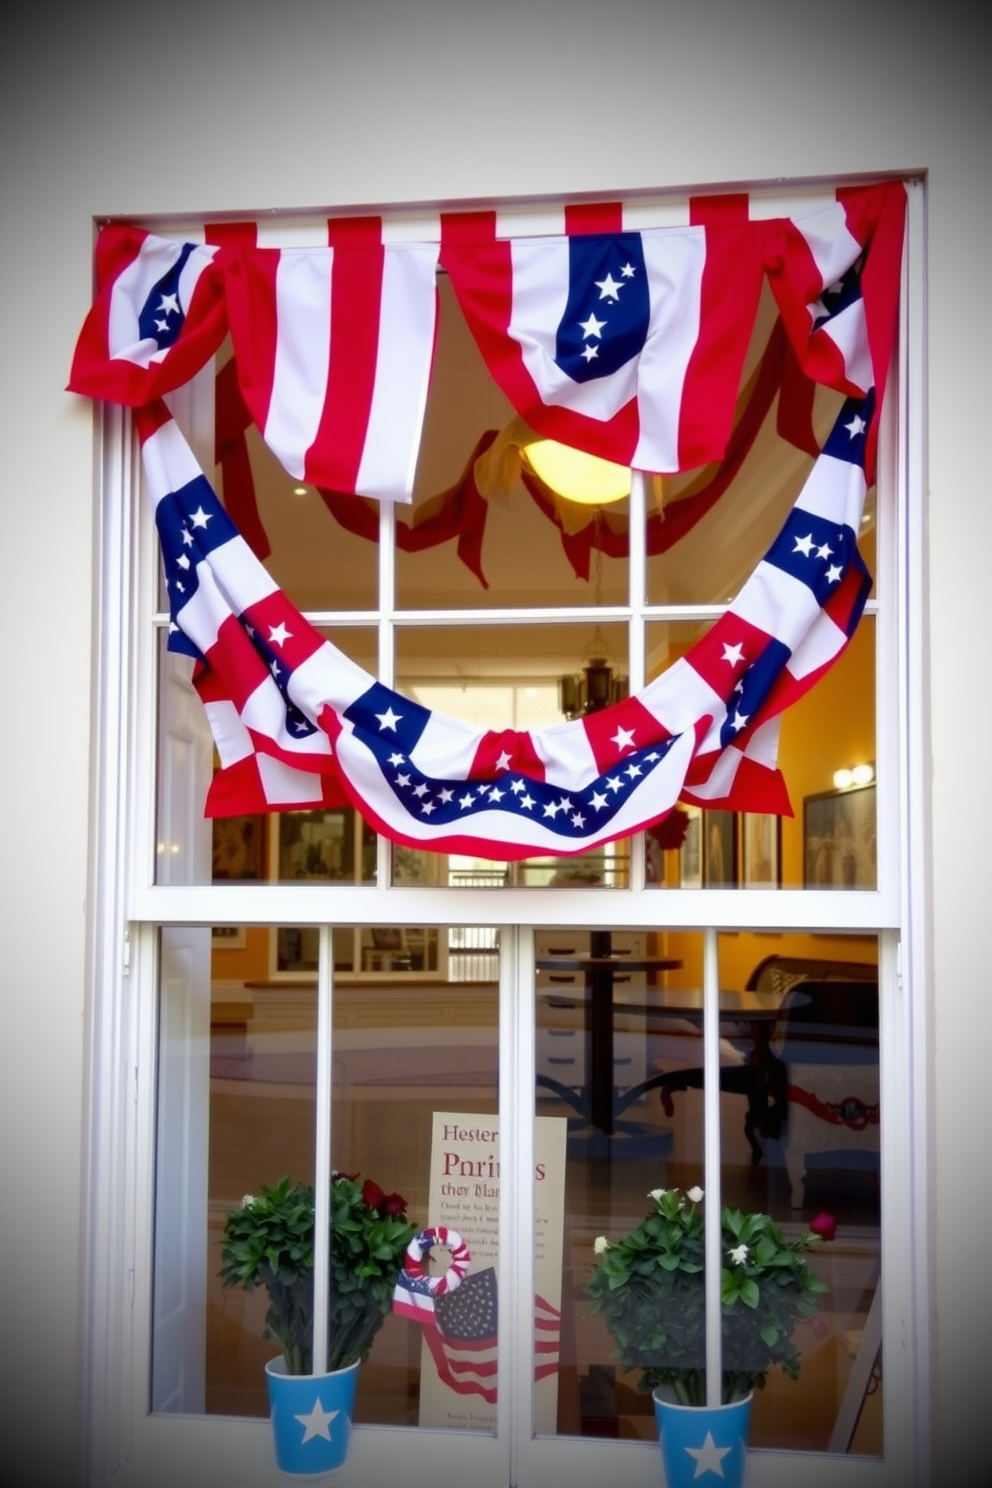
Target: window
(308, 995)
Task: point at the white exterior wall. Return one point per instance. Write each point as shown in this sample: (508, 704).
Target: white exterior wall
(241, 107)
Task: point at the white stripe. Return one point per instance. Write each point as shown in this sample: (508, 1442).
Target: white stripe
(241, 578)
(284, 786)
(777, 603)
(821, 644)
(680, 696)
(566, 754)
(446, 748)
(402, 373)
(264, 712)
(168, 462)
(835, 490)
(327, 678)
(232, 739)
(829, 240)
(302, 354)
(203, 614)
(674, 263)
(848, 331)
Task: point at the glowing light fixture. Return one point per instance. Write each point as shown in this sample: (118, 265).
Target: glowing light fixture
(854, 775)
(575, 475)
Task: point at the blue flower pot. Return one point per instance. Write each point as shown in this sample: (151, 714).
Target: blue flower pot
(701, 1443)
(311, 1417)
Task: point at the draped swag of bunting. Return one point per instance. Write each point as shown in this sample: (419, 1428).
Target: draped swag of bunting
(625, 341)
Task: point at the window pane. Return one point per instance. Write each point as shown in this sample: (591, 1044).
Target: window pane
(416, 1109)
(808, 1076)
(799, 1138)
(830, 839)
(476, 520)
(236, 1077)
(656, 1138)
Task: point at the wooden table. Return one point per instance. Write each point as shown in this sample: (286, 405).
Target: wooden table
(600, 967)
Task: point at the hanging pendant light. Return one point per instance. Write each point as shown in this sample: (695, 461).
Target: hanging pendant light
(596, 687)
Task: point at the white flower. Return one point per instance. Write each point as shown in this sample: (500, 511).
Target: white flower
(247, 1200)
(657, 1194)
(738, 1255)
(600, 1244)
(695, 1195)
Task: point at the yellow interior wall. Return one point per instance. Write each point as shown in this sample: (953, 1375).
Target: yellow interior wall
(833, 726)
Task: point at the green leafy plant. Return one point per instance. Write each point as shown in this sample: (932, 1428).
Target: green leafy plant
(269, 1242)
(649, 1288)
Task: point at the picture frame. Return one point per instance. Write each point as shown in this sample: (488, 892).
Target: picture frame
(719, 850)
(761, 850)
(238, 844)
(228, 937)
(839, 839)
(690, 853)
(315, 846)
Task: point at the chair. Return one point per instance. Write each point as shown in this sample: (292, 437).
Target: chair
(826, 1041)
(761, 1076)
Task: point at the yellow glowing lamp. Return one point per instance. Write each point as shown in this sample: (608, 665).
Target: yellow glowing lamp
(576, 476)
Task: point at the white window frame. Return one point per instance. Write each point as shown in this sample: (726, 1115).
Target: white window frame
(127, 906)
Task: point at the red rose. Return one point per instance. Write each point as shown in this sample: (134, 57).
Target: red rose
(376, 1198)
(824, 1225)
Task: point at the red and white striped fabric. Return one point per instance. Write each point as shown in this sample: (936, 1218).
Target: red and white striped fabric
(157, 316)
(295, 721)
(334, 348)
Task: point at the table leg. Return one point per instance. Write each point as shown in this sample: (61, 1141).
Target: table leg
(599, 1064)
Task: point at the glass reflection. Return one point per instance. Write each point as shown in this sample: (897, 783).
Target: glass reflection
(414, 1108)
(798, 1024)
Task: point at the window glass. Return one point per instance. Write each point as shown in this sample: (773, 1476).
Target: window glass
(414, 1109)
(799, 1139)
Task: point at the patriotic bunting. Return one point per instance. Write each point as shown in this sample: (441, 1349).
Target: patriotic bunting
(627, 344)
(296, 722)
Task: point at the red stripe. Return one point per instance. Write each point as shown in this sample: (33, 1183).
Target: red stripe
(879, 283)
(594, 217)
(520, 748)
(707, 655)
(231, 234)
(303, 639)
(712, 211)
(231, 454)
(251, 292)
(149, 419)
(356, 301)
(728, 306)
(604, 728)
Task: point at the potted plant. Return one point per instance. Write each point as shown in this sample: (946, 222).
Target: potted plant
(269, 1242)
(649, 1288)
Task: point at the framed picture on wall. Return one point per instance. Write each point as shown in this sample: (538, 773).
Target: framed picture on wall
(761, 850)
(839, 847)
(238, 848)
(228, 937)
(690, 853)
(719, 852)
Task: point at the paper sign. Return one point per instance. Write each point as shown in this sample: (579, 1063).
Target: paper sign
(458, 1375)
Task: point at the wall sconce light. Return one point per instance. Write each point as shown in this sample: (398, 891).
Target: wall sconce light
(854, 775)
